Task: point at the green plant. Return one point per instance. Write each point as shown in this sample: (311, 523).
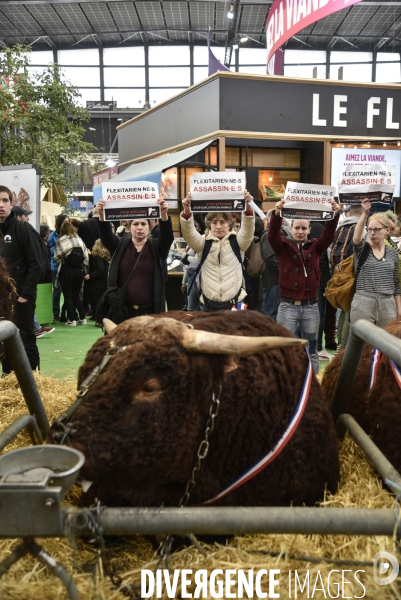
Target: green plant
(40, 120)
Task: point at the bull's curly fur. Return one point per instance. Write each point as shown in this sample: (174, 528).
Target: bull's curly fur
(8, 296)
(141, 452)
(378, 411)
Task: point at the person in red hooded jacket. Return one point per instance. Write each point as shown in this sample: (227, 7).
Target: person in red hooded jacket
(299, 273)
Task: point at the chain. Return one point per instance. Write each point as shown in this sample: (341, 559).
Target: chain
(203, 450)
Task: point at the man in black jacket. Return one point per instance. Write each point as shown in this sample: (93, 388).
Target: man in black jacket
(19, 248)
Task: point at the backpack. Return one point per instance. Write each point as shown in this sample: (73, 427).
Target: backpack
(342, 245)
(253, 261)
(341, 287)
(75, 258)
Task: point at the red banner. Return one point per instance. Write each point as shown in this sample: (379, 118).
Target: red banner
(287, 17)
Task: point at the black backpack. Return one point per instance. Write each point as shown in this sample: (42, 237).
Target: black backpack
(75, 258)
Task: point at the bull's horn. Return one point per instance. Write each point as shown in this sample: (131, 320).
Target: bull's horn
(109, 325)
(196, 340)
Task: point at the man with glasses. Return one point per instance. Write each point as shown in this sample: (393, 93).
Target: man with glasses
(299, 273)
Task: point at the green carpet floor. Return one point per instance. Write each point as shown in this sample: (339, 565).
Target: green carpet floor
(63, 351)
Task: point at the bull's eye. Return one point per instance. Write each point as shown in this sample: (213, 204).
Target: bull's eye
(150, 390)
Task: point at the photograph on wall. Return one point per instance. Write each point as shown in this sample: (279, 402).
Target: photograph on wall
(24, 186)
(130, 200)
(308, 201)
(217, 192)
(376, 182)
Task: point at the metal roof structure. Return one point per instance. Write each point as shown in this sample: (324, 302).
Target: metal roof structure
(65, 24)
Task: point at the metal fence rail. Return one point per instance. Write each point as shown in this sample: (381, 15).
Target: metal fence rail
(9, 334)
(362, 332)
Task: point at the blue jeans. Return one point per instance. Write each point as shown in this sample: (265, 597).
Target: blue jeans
(271, 300)
(36, 324)
(193, 296)
(307, 317)
(56, 296)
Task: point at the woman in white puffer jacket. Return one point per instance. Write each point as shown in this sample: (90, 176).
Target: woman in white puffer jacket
(221, 275)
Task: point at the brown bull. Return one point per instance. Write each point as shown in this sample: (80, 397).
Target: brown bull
(377, 410)
(142, 421)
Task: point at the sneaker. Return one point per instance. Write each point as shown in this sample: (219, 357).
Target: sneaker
(323, 355)
(56, 318)
(71, 323)
(82, 322)
(44, 331)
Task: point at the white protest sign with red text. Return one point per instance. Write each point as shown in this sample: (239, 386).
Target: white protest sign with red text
(287, 17)
(375, 182)
(308, 201)
(130, 200)
(217, 191)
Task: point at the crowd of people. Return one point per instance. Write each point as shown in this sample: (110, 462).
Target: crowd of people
(85, 259)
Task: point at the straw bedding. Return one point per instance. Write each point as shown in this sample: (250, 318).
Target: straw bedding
(359, 487)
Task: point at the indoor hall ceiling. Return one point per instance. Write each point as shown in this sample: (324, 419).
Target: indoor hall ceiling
(66, 24)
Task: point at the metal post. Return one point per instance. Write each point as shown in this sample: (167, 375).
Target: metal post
(9, 334)
(238, 520)
(376, 457)
(28, 421)
(347, 374)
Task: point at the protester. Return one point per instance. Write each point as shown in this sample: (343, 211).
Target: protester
(154, 228)
(221, 276)
(299, 273)
(146, 289)
(271, 296)
(377, 294)
(99, 261)
(20, 250)
(52, 241)
(190, 262)
(73, 258)
(124, 230)
(342, 248)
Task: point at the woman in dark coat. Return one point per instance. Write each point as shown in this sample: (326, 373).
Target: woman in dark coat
(146, 289)
(99, 261)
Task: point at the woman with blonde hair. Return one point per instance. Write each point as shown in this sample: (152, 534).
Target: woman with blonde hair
(377, 294)
(221, 275)
(99, 262)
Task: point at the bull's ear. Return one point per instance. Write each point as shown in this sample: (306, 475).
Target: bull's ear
(231, 365)
(109, 325)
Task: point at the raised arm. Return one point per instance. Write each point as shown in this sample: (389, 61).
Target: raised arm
(360, 226)
(108, 239)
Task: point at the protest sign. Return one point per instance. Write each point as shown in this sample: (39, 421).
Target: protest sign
(308, 201)
(375, 182)
(130, 200)
(217, 192)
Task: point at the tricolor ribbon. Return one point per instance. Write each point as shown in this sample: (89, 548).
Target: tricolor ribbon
(374, 368)
(263, 462)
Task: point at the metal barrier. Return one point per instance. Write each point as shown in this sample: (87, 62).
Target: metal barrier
(9, 334)
(47, 518)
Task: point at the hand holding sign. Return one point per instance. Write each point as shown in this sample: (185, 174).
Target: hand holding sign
(186, 203)
(163, 206)
(366, 206)
(100, 209)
